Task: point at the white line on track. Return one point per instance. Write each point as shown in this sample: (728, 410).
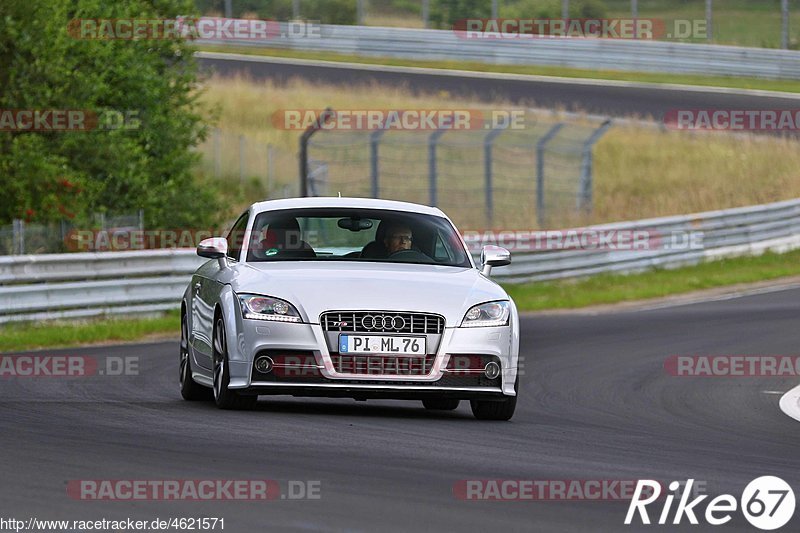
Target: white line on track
(790, 403)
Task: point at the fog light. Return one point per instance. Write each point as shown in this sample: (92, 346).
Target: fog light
(264, 364)
(491, 370)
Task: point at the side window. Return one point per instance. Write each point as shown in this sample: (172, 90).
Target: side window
(236, 236)
(440, 252)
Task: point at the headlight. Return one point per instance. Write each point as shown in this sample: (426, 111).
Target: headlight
(488, 314)
(268, 308)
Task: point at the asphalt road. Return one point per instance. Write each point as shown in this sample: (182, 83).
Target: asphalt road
(601, 98)
(595, 403)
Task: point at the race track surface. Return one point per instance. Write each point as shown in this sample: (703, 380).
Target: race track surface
(595, 403)
(604, 99)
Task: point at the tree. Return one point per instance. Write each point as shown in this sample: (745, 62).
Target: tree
(152, 83)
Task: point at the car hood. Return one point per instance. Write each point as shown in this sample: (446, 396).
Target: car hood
(315, 287)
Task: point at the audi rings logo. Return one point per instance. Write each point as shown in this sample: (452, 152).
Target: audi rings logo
(383, 322)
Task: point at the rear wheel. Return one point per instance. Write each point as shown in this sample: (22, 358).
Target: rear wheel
(190, 389)
(224, 397)
(494, 410)
(440, 404)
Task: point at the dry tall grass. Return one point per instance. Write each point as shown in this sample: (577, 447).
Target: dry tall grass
(639, 171)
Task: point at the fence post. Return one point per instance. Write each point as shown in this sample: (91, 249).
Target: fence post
(374, 143)
(785, 24)
(585, 196)
(540, 171)
(565, 9)
(433, 140)
(488, 143)
(241, 161)
(360, 12)
(18, 237)
(710, 20)
(295, 9)
(270, 170)
(217, 153)
(426, 10)
(141, 220)
(304, 139)
(494, 9)
(228, 9)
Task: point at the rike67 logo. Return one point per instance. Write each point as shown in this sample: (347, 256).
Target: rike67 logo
(767, 502)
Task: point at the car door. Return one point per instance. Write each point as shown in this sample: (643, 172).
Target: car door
(206, 289)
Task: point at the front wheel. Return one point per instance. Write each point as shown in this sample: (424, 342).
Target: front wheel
(190, 389)
(502, 410)
(224, 397)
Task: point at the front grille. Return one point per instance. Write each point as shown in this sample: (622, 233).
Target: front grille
(383, 365)
(382, 322)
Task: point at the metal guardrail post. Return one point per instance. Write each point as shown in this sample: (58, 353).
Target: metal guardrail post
(785, 24)
(540, 171)
(374, 167)
(304, 139)
(488, 143)
(433, 140)
(585, 195)
(709, 20)
(426, 10)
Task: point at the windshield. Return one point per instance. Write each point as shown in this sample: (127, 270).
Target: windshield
(355, 235)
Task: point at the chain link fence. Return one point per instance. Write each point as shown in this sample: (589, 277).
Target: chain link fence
(251, 165)
(22, 238)
(539, 176)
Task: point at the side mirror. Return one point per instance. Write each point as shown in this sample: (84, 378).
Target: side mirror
(494, 256)
(214, 248)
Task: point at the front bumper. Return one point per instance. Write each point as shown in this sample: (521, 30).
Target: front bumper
(304, 364)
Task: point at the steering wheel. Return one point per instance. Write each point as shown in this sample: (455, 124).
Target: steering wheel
(410, 256)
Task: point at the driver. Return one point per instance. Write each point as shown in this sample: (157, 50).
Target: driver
(398, 238)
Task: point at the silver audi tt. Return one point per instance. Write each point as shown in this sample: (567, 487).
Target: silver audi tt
(349, 297)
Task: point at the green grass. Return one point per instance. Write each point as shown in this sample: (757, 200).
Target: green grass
(645, 77)
(30, 336)
(614, 288)
(539, 296)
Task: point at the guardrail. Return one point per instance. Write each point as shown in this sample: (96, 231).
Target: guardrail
(43, 287)
(585, 53)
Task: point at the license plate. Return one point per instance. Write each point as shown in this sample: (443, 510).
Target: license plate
(382, 344)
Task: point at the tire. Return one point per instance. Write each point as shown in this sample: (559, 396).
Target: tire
(224, 397)
(441, 404)
(190, 389)
(493, 410)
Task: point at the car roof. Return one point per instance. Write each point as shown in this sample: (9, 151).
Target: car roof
(334, 201)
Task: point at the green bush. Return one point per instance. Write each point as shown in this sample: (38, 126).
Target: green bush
(47, 176)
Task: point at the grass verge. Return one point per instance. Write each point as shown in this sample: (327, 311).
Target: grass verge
(539, 296)
(31, 336)
(615, 288)
(565, 72)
